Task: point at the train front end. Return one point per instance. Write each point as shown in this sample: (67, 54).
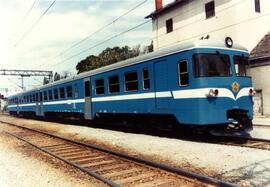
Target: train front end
(220, 93)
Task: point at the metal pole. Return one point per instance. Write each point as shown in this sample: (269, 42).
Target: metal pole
(22, 84)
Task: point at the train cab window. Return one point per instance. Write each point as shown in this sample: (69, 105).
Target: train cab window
(69, 91)
(131, 81)
(211, 65)
(99, 84)
(240, 63)
(55, 93)
(50, 95)
(114, 86)
(45, 95)
(62, 92)
(76, 90)
(87, 88)
(183, 73)
(146, 79)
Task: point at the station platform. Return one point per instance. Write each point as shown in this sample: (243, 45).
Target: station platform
(261, 120)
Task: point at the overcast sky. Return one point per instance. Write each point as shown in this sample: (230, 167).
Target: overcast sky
(65, 24)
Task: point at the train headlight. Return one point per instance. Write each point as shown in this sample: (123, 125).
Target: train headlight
(213, 93)
(251, 92)
(229, 42)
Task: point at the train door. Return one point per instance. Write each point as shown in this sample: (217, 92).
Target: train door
(161, 84)
(88, 99)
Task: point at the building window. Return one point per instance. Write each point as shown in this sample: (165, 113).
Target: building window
(114, 86)
(100, 87)
(87, 88)
(62, 92)
(210, 9)
(50, 95)
(257, 6)
(69, 91)
(146, 79)
(183, 73)
(76, 90)
(169, 25)
(55, 94)
(131, 81)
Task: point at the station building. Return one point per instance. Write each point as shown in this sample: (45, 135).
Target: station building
(245, 21)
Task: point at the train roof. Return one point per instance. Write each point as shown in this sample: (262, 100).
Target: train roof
(205, 43)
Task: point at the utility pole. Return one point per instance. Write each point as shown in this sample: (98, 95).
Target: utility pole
(27, 73)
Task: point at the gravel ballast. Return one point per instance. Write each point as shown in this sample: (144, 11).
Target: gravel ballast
(244, 166)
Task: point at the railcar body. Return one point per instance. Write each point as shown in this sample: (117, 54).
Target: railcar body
(200, 83)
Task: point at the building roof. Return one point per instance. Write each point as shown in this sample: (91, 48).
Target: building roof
(166, 8)
(262, 49)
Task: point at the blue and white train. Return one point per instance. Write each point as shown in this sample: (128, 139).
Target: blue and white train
(199, 84)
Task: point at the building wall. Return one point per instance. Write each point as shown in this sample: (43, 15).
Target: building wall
(234, 18)
(260, 80)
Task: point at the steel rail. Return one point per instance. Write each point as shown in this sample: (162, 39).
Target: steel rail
(179, 171)
(89, 172)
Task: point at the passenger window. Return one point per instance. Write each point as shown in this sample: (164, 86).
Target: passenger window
(99, 83)
(34, 98)
(114, 86)
(146, 79)
(40, 96)
(62, 92)
(69, 91)
(76, 90)
(131, 81)
(183, 73)
(31, 100)
(45, 95)
(50, 95)
(240, 65)
(55, 94)
(87, 88)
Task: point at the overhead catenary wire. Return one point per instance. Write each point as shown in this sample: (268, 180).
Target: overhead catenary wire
(105, 26)
(25, 17)
(32, 27)
(100, 43)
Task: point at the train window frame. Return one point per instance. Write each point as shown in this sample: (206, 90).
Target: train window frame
(97, 87)
(55, 92)
(69, 91)
(130, 82)
(111, 85)
(62, 93)
(146, 79)
(76, 90)
(50, 95)
(200, 76)
(245, 69)
(87, 87)
(183, 73)
(209, 9)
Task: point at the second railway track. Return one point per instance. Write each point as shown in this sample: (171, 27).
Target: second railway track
(112, 168)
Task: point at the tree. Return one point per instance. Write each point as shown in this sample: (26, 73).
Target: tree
(56, 77)
(107, 57)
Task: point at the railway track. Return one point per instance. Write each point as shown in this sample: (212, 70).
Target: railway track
(242, 141)
(112, 168)
(261, 126)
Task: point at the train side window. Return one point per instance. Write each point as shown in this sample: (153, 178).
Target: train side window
(76, 90)
(40, 97)
(114, 86)
(69, 91)
(183, 73)
(34, 98)
(50, 95)
(99, 84)
(146, 79)
(62, 92)
(131, 81)
(45, 95)
(31, 99)
(87, 88)
(55, 93)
